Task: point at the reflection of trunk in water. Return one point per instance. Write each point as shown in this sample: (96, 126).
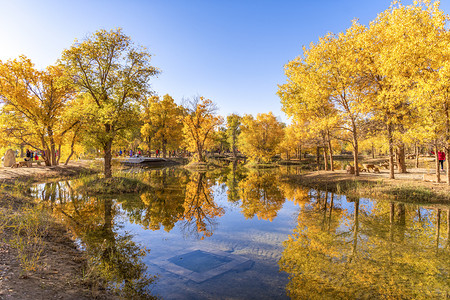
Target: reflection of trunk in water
(331, 210)
(419, 215)
(200, 208)
(355, 230)
(401, 213)
(325, 200)
(391, 229)
(448, 228)
(438, 228)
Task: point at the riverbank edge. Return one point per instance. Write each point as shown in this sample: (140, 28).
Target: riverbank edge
(62, 272)
(413, 191)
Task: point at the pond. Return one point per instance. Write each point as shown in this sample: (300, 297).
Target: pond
(241, 234)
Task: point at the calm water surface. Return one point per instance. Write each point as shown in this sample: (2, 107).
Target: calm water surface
(239, 234)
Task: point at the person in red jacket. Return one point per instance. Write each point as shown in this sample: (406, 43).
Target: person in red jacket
(441, 157)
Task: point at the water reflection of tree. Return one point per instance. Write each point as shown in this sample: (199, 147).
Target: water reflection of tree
(295, 193)
(178, 197)
(112, 254)
(163, 206)
(379, 252)
(234, 176)
(261, 195)
(200, 210)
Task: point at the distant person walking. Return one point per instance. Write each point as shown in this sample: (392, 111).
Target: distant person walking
(441, 157)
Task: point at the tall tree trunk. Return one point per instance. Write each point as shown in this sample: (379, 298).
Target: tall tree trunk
(70, 155)
(52, 147)
(45, 154)
(59, 155)
(149, 146)
(447, 140)
(447, 156)
(373, 151)
(391, 150)
(72, 144)
(325, 158)
(164, 150)
(107, 149)
(108, 159)
(401, 158)
(330, 149)
(318, 157)
(355, 147)
(200, 155)
(233, 146)
(438, 169)
(416, 150)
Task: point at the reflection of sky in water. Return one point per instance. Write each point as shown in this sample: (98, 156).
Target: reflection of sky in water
(256, 240)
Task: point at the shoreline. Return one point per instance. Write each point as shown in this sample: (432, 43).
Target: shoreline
(42, 173)
(61, 272)
(403, 188)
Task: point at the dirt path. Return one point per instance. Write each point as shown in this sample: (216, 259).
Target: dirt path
(38, 173)
(415, 176)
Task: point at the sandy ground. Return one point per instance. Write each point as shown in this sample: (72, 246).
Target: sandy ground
(414, 176)
(37, 173)
(60, 273)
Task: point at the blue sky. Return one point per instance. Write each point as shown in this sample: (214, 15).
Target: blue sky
(230, 51)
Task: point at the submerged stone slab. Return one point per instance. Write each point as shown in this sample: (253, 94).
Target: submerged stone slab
(201, 265)
(199, 261)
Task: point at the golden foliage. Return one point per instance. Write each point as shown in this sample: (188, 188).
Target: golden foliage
(200, 123)
(260, 137)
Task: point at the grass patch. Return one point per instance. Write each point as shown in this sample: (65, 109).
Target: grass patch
(25, 230)
(29, 227)
(417, 194)
(203, 166)
(95, 185)
(256, 165)
(380, 189)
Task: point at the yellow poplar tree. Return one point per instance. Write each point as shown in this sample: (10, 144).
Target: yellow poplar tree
(432, 98)
(260, 137)
(147, 129)
(233, 130)
(395, 50)
(34, 103)
(115, 74)
(321, 88)
(199, 124)
(166, 124)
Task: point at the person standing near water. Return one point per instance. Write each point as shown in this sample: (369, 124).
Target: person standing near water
(441, 158)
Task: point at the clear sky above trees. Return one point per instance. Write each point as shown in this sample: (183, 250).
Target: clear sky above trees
(232, 52)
